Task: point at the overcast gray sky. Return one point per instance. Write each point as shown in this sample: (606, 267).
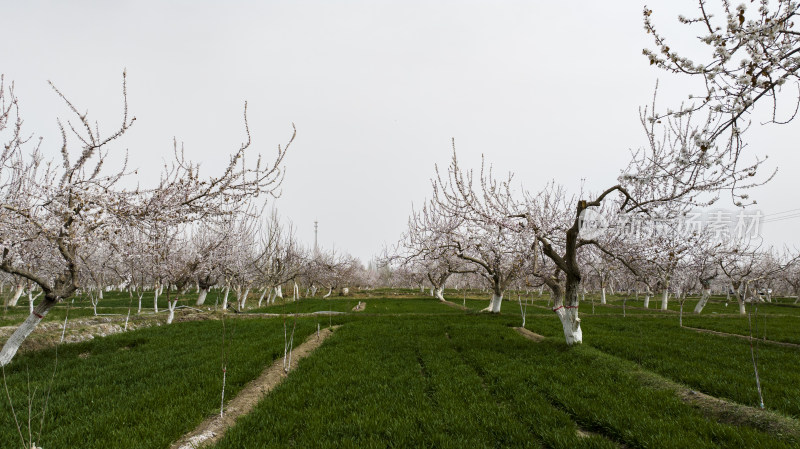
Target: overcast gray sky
(549, 90)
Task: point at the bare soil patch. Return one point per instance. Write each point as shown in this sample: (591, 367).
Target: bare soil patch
(360, 306)
(212, 429)
(760, 340)
(48, 334)
(529, 335)
(454, 305)
(726, 411)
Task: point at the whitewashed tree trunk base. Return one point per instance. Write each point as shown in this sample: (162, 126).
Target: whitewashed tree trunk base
(494, 304)
(15, 340)
(703, 301)
(570, 323)
(201, 297)
(171, 306)
(17, 293)
(225, 298)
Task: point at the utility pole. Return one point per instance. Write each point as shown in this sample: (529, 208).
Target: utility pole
(316, 246)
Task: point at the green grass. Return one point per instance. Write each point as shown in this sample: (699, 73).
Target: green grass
(409, 371)
(470, 381)
(306, 305)
(785, 328)
(712, 364)
(141, 389)
(422, 305)
(113, 303)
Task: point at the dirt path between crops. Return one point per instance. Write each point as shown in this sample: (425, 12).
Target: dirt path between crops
(48, 334)
(454, 305)
(760, 340)
(213, 429)
(529, 335)
(726, 411)
(712, 407)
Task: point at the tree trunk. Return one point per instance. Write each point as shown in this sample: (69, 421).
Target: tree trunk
(567, 311)
(201, 296)
(646, 304)
(225, 298)
(603, 295)
(665, 299)
(156, 292)
(171, 306)
(742, 309)
(17, 294)
(15, 340)
(327, 295)
(279, 292)
(494, 304)
(244, 298)
(703, 300)
(263, 294)
(439, 293)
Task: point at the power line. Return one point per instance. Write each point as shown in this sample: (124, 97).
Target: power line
(787, 217)
(781, 213)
